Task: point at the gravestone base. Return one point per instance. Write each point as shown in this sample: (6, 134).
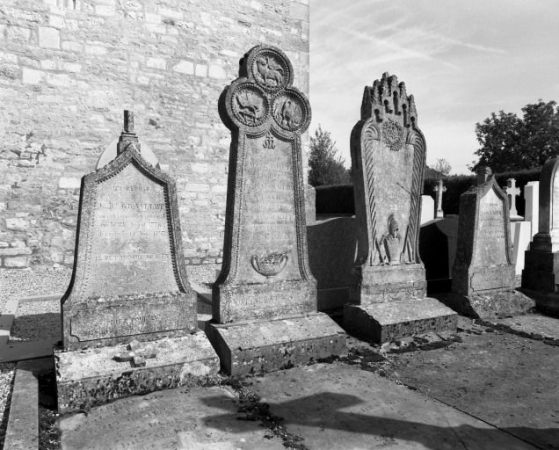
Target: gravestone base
(389, 321)
(546, 302)
(386, 283)
(489, 305)
(266, 346)
(539, 271)
(90, 377)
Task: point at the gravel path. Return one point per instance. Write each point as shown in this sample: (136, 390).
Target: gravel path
(37, 320)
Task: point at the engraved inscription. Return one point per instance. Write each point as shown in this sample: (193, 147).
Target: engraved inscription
(490, 245)
(129, 321)
(269, 141)
(268, 222)
(131, 242)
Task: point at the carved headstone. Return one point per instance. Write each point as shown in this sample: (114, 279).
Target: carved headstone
(483, 275)
(388, 160)
(541, 265)
(513, 192)
(129, 282)
(265, 273)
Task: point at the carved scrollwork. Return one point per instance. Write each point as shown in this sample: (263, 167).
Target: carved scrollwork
(249, 106)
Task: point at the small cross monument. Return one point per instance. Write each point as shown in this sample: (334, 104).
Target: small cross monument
(439, 190)
(513, 192)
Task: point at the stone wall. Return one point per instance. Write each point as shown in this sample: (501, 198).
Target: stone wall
(67, 70)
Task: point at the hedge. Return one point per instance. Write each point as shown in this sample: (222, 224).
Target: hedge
(339, 199)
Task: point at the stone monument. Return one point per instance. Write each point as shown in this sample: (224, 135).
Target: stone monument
(540, 277)
(129, 315)
(265, 299)
(483, 275)
(388, 160)
(513, 192)
(439, 189)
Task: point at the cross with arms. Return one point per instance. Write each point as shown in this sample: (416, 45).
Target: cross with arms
(439, 189)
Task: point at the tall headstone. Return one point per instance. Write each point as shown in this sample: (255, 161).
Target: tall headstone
(265, 299)
(483, 275)
(129, 315)
(427, 209)
(388, 160)
(540, 277)
(439, 189)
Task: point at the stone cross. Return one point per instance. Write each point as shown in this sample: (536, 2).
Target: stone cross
(439, 189)
(128, 136)
(513, 192)
(483, 174)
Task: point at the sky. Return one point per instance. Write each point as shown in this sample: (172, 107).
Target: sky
(461, 60)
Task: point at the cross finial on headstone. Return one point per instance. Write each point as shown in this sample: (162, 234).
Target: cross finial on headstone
(483, 174)
(128, 136)
(513, 192)
(439, 189)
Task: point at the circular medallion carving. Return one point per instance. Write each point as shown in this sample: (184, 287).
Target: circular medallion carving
(393, 135)
(270, 70)
(290, 112)
(249, 106)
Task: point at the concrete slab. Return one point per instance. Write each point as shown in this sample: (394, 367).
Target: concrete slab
(343, 407)
(196, 419)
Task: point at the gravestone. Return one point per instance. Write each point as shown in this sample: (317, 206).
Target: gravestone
(129, 315)
(483, 275)
(388, 160)
(540, 278)
(532, 208)
(439, 190)
(513, 192)
(265, 299)
(427, 208)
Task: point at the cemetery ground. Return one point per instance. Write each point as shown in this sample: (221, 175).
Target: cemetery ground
(491, 385)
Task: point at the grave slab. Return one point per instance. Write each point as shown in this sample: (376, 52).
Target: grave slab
(194, 419)
(90, 377)
(255, 347)
(388, 152)
(265, 273)
(389, 321)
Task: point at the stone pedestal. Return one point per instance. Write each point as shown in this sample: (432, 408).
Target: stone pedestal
(265, 346)
(86, 378)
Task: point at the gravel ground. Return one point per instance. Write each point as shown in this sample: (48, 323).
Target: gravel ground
(37, 320)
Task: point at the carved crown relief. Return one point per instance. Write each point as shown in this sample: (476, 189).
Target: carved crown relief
(391, 155)
(264, 98)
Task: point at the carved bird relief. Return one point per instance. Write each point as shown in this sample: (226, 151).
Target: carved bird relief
(249, 107)
(270, 71)
(290, 115)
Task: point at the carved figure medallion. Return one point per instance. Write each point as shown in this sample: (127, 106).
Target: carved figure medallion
(249, 106)
(270, 264)
(289, 112)
(270, 70)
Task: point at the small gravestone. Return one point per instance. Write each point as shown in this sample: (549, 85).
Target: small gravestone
(427, 209)
(513, 192)
(532, 208)
(540, 279)
(439, 189)
(129, 315)
(388, 160)
(483, 275)
(265, 299)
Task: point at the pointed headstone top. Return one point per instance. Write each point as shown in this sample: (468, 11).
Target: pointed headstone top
(483, 174)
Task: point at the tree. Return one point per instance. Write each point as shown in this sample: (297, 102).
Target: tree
(509, 142)
(326, 167)
(443, 167)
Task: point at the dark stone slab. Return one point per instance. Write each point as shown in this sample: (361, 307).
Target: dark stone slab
(332, 245)
(91, 377)
(437, 247)
(128, 279)
(483, 262)
(255, 347)
(385, 322)
(489, 305)
(265, 273)
(546, 302)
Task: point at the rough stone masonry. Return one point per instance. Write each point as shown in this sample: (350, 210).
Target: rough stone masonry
(69, 67)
